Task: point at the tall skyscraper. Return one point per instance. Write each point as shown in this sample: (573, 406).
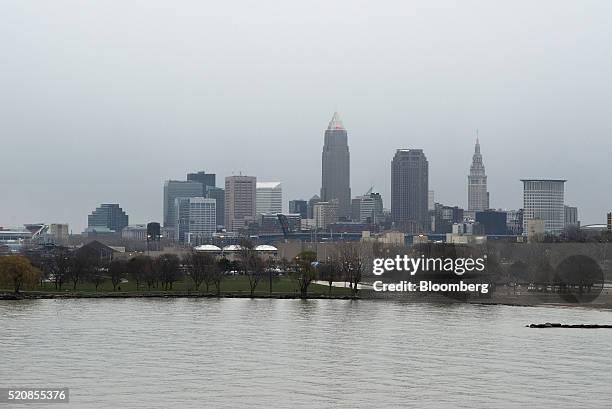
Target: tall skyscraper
(336, 177)
(269, 198)
(108, 215)
(478, 196)
(174, 189)
(543, 200)
(240, 201)
(409, 190)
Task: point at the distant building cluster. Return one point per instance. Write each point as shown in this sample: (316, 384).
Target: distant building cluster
(198, 212)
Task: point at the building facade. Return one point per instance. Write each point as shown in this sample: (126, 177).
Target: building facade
(478, 196)
(240, 201)
(269, 198)
(325, 213)
(108, 215)
(493, 222)
(218, 194)
(299, 207)
(543, 199)
(202, 219)
(610, 221)
(174, 189)
(367, 208)
(409, 190)
(335, 174)
(135, 232)
(206, 179)
(571, 216)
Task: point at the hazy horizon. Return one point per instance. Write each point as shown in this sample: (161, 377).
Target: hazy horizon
(103, 102)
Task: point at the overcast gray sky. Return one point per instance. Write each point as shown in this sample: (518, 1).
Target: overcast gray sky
(102, 101)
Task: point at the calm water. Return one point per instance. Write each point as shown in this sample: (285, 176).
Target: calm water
(228, 353)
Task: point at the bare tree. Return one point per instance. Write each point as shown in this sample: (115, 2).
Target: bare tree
(354, 259)
(200, 268)
(251, 265)
(116, 272)
(168, 266)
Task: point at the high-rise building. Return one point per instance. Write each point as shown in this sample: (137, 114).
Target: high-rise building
(325, 213)
(409, 190)
(195, 217)
(336, 177)
(299, 207)
(367, 208)
(478, 196)
(610, 221)
(206, 179)
(571, 216)
(218, 194)
(202, 219)
(269, 198)
(108, 215)
(543, 200)
(240, 201)
(174, 189)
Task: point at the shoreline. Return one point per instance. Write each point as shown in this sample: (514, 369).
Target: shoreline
(36, 295)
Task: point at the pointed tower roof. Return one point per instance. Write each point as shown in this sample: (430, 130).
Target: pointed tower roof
(336, 122)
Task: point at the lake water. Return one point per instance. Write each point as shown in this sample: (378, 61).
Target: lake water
(229, 353)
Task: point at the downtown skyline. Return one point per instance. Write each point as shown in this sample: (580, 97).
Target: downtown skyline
(461, 201)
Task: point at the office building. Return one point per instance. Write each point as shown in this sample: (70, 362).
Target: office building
(269, 198)
(174, 189)
(543, 200)
(514, 222)
(313, 200)
(202, 219)
(409, 190)
(218, 194)
(299, 207)
(443, 217)
(240, 201)
(59, 231)
(335, 175)
(196, 217)
(478, 196)
(610, 221)
(493, 222)
(206, 179)
(270, 223)
(367, 208)
(325, 213)
(108, 215)
(571, 216)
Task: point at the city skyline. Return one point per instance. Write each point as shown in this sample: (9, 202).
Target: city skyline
(101, 126)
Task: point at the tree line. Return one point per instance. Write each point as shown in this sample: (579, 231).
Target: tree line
(66, 269)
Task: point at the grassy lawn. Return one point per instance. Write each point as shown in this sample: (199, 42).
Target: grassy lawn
(230, 284)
